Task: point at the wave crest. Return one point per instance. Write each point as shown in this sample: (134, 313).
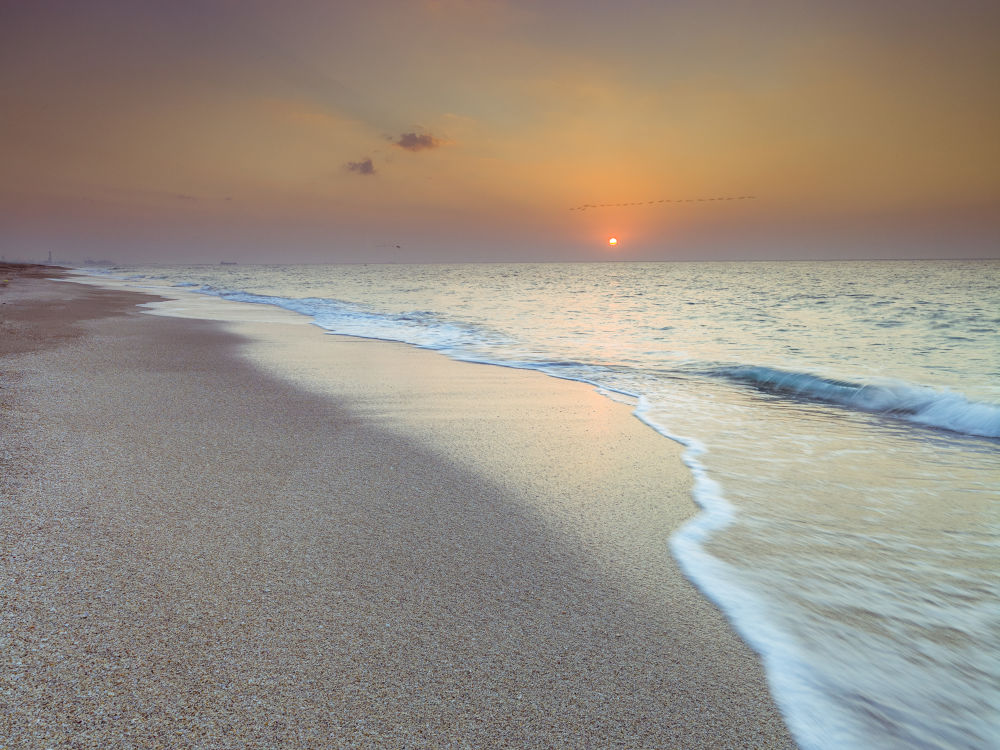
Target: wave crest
(914, 403)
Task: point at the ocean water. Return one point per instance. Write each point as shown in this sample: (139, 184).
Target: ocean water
(842, 422)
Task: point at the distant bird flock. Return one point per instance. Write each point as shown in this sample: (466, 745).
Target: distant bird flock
(585, 206)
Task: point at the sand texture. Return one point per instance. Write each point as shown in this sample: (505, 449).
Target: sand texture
(252, 535)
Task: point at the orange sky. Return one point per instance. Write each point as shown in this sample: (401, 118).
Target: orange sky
(467, 129)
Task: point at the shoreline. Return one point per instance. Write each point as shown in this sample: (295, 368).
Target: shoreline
(346, 542)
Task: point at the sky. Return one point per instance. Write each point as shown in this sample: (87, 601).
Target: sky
(498, 130)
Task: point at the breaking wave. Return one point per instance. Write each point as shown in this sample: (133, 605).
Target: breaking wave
(914, 403)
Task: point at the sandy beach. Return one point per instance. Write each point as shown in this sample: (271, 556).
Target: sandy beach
(231, 530)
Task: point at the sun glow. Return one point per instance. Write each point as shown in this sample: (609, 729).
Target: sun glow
(612, 241)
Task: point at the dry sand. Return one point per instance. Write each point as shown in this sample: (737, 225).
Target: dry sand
(254, 535)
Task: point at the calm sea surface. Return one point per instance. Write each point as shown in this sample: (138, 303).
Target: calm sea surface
(842, 423)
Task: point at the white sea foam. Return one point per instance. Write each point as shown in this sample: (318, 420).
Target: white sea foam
(915, 403)
(813, 718)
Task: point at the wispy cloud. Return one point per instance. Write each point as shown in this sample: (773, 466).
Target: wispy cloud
(365, 166)
(417, 141)
(587, 206)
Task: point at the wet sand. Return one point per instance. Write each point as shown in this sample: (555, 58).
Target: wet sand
(251, 534)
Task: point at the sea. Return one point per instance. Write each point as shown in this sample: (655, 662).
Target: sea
(841, 421)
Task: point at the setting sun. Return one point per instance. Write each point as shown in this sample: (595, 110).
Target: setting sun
(612, 241)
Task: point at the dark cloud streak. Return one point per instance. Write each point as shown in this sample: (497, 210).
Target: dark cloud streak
(587, 206)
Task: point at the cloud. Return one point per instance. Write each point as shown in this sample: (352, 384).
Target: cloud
(417, 142)
(585, 206)
(361, 167)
